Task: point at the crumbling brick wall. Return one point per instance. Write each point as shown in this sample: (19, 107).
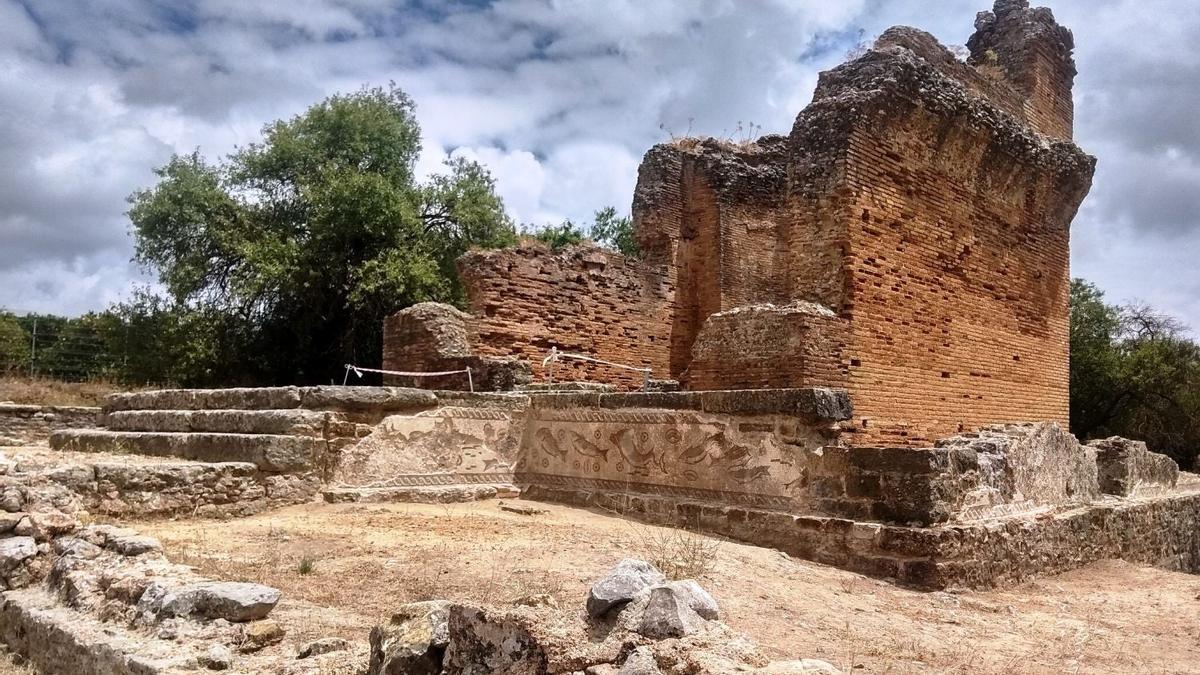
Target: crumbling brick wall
(583, 299)
(768, 346)
(925, 200)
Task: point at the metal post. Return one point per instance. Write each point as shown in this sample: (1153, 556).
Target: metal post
(33, 348)
(470, 380)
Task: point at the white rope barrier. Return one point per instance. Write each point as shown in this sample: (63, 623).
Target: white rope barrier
(359, 370)
(554, 356)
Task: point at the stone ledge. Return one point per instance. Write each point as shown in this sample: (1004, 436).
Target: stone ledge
(810, 402)
(271, 453)
(441, 494)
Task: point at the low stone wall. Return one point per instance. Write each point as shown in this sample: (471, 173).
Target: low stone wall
(1164, 532)
(149, 489)
(34, 423)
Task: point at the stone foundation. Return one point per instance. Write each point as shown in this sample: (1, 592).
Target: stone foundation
(35, 423)
(1163, 532)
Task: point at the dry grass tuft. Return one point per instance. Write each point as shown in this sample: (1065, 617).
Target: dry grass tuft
(45, 391)
(678, 553)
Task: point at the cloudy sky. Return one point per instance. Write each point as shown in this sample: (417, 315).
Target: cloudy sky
(558, 97)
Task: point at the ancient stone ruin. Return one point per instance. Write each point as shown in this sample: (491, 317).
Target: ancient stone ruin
(867, 323)
(907, 241)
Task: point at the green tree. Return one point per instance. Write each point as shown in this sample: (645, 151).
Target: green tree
(607, 229)
(14, 345)
(559, 236)
(1134, 373)
(615, 232)
(297, 247)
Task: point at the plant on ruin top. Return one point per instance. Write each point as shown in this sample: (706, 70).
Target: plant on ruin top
(299, 245)
(607, 229)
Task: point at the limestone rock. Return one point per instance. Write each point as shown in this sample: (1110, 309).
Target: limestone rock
(323, 646)
(622, 584)
(8, 521)
(697, 598)
(133, 545)
(259, 634)
(669, 614)
(413, 642)
(9, 441)
(494, 642)
(232, 601)
(218, 657)
(14, 551)
(640, 662)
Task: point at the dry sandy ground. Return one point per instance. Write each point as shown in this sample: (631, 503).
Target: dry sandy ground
(367, 559)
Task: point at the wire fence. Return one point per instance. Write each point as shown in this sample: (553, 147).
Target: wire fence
(65, 351)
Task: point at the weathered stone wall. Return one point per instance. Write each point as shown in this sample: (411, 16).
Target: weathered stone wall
(583, 299)
(32, 423)
(724, 447)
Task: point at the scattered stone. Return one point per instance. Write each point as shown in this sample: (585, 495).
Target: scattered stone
(413, 642)
(75, 547)
(9, 441)
(51, 524)
(323, 646)
(11, 500)
(14, 551)
(621, 584)
(668, 614)
(233, 601)
(640, 662)
(259, 634)
(489, 640)
(132, 545)
(523, 509)
(218, 657)
(8, 521)
(24, 527)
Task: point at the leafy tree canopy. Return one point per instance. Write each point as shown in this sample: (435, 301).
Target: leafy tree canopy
(607, 229)
(1134, 373)
(286, 256)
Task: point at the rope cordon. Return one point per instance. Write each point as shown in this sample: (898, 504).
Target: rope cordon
(554, 356)
(359, 370)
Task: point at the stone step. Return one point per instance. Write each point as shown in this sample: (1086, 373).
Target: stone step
(294, 422)
(434, 494)
(355, 399)
(269, 452)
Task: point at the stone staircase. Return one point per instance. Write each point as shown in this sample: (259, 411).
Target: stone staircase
(282, 445)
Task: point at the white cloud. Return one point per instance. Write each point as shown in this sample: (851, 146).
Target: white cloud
(559, 98)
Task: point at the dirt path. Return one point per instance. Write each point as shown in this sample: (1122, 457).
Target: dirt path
(367, 559)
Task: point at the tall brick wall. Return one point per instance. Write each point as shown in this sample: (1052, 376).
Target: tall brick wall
(528, 299)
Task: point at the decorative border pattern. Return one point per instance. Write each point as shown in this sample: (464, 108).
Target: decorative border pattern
(618, 416)
(462, 413)
(433, 479)
(657, 490)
